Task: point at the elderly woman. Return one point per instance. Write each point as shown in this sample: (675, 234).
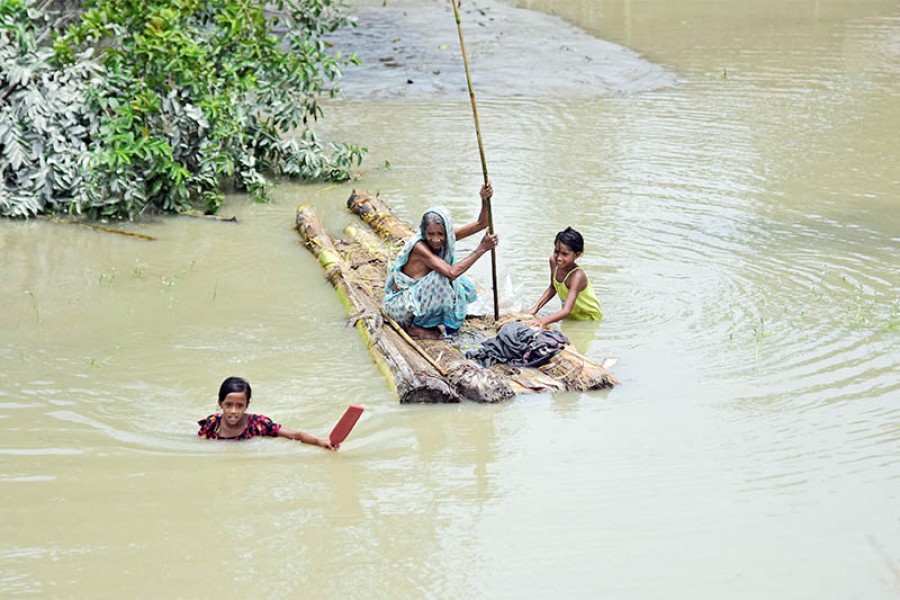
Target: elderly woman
(426, 288)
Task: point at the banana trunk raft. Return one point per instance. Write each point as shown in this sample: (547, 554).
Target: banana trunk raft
(426, 371)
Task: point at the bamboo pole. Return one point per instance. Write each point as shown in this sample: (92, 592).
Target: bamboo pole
(97, 227)
(462, 47)
(415, 346)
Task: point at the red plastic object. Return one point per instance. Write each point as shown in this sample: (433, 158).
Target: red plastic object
(345, 425)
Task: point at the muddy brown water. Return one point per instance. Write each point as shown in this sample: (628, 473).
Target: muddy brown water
(733, 167)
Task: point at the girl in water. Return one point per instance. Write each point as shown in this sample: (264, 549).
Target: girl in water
(570, 282)
(235, 423)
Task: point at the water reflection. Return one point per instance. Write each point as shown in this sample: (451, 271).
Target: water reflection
(581, 334)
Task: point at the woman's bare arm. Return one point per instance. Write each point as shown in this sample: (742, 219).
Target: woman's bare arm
(433, 262)
(482, 222)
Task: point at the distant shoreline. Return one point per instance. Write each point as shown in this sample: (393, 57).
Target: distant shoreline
(413, 51)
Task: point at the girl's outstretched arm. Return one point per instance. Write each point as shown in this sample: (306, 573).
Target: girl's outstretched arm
(577, 282)
(546, 297)
(302, 436)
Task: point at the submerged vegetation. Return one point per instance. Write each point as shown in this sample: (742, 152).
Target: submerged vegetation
(153, 105)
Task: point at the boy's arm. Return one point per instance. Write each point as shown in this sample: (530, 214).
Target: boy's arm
(302, 436)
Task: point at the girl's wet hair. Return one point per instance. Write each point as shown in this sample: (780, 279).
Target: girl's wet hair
(570, 238)
(234, 385)
(431, 217)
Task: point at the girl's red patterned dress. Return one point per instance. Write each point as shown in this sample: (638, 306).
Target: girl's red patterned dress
(257, 425)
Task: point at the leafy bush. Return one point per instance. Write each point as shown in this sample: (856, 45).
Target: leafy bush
(45, 124)
(150, 104)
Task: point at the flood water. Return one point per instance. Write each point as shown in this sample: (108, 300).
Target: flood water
(742, 228)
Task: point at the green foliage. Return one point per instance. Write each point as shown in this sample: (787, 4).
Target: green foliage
(45, 123)
(172, 97)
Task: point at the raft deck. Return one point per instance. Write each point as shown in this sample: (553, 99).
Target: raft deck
(426, 371)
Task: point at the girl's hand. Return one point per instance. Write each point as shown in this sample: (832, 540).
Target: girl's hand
(534, 323)
(487, 190)
(326, 443)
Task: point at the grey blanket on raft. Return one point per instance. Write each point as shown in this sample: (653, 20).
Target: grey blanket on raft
(519, 346)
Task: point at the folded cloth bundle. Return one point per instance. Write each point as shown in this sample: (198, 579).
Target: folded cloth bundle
(519, 346)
